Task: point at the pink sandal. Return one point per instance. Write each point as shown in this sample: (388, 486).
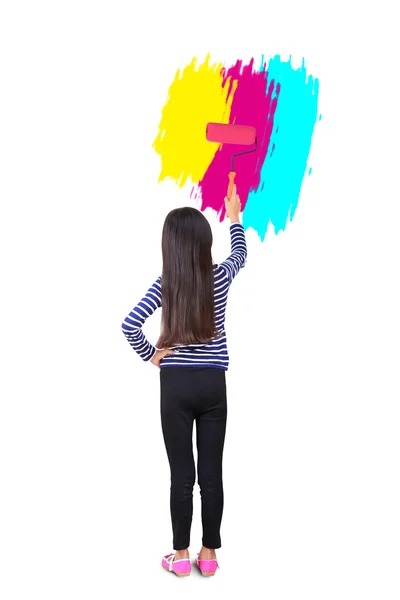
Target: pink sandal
(180, 567)
(206, 567)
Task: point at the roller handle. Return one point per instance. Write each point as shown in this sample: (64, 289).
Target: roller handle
(230, 185)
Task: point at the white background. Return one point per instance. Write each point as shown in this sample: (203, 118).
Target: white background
(311, 465)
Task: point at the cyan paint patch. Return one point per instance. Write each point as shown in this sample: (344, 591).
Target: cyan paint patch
(277, 195)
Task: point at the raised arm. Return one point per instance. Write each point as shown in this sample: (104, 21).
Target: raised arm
(237, 258)
(133, 323)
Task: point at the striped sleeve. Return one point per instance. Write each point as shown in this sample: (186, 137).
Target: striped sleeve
(133, 323)
(237, 259)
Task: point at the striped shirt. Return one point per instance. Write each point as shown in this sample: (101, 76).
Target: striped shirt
(213, 354)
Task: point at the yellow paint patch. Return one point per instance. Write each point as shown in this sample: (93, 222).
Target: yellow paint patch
(195, 98)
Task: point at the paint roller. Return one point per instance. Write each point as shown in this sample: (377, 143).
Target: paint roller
(243, 135)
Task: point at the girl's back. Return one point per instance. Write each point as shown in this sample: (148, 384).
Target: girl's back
(211, 354)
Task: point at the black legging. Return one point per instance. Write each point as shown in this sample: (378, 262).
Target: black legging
(189, 394)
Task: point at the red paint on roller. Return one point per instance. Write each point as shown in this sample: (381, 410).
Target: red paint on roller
(231, 134)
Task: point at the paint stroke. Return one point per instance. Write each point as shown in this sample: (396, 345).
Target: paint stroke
(195, 97)
(254, 104)
(276, 198)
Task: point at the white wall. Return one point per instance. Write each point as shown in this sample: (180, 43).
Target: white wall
(311, 461)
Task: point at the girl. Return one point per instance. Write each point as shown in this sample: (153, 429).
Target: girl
(192, 356)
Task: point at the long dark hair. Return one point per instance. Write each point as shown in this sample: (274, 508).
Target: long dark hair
(187, 283)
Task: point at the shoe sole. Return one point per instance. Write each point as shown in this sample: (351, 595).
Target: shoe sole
(205, 574)
(175, 573)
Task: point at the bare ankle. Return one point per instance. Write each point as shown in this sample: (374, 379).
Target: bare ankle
(207, 553)
(179, 554)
